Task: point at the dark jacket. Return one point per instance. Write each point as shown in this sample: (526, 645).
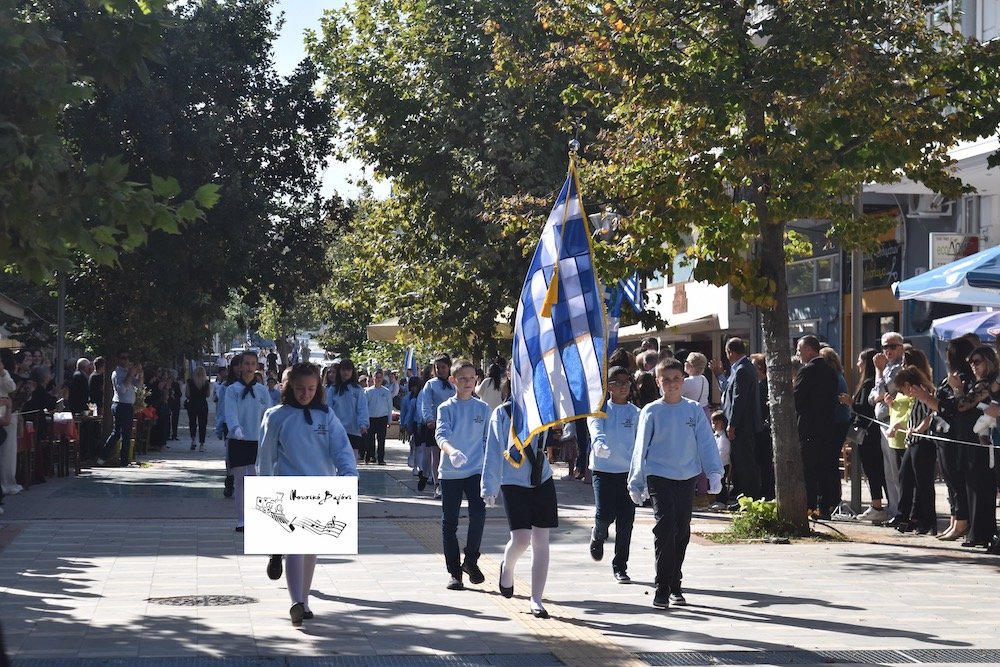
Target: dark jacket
(741, 401)
(815, 399)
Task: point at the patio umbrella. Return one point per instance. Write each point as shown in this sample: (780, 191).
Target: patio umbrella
(971, 281)
(986, 325)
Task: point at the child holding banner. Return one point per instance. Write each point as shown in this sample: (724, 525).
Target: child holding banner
(529, 499)
(303, 437)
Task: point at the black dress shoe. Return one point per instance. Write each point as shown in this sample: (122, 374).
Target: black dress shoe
(297, 613)
(307, 615)
(471, 568)
(506, 591)
(421, 482)
(274, 568)
(597, 549)
(926, 530)
(968, 545)
(906, 527)
(896, 522)
(539, 612)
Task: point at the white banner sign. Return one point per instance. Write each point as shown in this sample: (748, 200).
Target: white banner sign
(301, 515)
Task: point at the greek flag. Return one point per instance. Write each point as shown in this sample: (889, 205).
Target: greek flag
(410, 362)
(559, 330)
(632, 289)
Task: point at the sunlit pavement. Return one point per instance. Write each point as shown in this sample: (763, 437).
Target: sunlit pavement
(142, 566)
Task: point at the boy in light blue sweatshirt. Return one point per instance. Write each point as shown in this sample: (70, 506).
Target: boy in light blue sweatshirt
(612, 440)
(461, 426)
(674, 444)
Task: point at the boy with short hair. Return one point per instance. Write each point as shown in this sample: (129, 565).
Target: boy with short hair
(719, 426)
(461, 427)
(674, 444)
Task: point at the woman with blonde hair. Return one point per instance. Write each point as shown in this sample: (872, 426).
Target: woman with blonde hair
(696, 386)
(196, 401)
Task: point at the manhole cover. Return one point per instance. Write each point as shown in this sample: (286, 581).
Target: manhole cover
(203, 600)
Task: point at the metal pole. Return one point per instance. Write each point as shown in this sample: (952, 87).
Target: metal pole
(61, 330)
(857, 318)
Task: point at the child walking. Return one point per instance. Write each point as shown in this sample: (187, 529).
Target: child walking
(246, 401)
(462, 421)
(612, 440)
(673, 446)
(303, 437)
(529, 499)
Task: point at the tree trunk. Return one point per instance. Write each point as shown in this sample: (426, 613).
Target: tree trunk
(789, 481)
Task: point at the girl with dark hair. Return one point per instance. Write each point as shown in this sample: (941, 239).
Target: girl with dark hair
(347, 400)
(645, 390)
(489, 390)
(870, 448)
(302, 437)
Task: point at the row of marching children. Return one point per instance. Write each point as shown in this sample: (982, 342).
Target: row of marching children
(656, 453)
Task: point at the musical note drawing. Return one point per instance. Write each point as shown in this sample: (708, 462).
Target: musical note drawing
(273, 508)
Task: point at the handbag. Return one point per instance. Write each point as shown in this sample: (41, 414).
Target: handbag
(856, 433)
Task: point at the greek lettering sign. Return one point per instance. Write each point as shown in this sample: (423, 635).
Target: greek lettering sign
(880, 269)
(301, 515)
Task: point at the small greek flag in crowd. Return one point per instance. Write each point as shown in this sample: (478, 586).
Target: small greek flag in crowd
(410, 362)
(632, 288)
(559, 330)
(613, 298)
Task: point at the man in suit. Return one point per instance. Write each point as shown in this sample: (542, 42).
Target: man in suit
(815, 392)
(741, 405)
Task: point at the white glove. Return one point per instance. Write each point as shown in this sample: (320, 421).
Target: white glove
(983, 425)
(458, 459)
(638, 497)
(602, 451)
(715, 483)
(491, 501)
(238, 433)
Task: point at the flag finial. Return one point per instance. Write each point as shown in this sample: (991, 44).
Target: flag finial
(574, 146)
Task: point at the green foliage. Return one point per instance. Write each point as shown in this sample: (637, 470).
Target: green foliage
(213, 110)
(759, 519)
(436, 116)
(53, 202)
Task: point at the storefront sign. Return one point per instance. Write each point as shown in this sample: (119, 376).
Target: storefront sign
(946, 248)
(880, 270)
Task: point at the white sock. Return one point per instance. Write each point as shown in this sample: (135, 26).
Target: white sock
(539, 565)
(516, 546)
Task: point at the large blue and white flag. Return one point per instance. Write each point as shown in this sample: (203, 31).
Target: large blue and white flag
(560, 329)
(410, 362)
(632, 289)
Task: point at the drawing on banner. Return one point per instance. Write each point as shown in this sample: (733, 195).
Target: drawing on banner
(301, 515)
(273, 508)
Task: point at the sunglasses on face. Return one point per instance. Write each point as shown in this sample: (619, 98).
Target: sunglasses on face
(892, 346)
(619, 383)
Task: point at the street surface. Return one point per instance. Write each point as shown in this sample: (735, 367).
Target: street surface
(141, 566)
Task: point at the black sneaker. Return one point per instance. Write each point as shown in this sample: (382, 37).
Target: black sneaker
(597, 549)
(476, 575)
(622, 578)
(661, 600)
(455, 584)
(274, 567)
(677, 597)
(422, 482)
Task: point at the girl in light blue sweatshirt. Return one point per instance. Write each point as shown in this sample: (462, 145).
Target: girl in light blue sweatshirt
(302, 437)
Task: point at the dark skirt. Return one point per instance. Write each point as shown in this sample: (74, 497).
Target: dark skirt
(241, 452)
(531, 507)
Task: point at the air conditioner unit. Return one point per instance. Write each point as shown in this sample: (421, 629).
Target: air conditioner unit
(930, 206)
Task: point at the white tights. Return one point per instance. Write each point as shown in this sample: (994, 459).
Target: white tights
(520, 540)
(299, 571)
(239, 472)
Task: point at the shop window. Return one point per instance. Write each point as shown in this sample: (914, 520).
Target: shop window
(816, 274)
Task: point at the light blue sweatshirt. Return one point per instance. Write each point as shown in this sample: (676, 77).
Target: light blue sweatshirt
(434, 393)
(275, 395)
(497, 471)
(617, 431)
(408, 412)
(290, 445)
(350, 407)
(674, 441)
(463, 425)
(246, 413)
(379, 401)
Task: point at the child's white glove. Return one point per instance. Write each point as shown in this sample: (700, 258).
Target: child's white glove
(715, 483)
(638, 497)
(238, 433)
(602, 451)
(458, 459)
(491, 501)
(983, 425)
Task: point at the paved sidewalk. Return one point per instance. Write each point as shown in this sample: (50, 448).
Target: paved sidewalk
(142, 566)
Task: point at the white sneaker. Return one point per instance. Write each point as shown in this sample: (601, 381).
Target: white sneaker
(437, 491)
(874, 515)
(100, 462)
